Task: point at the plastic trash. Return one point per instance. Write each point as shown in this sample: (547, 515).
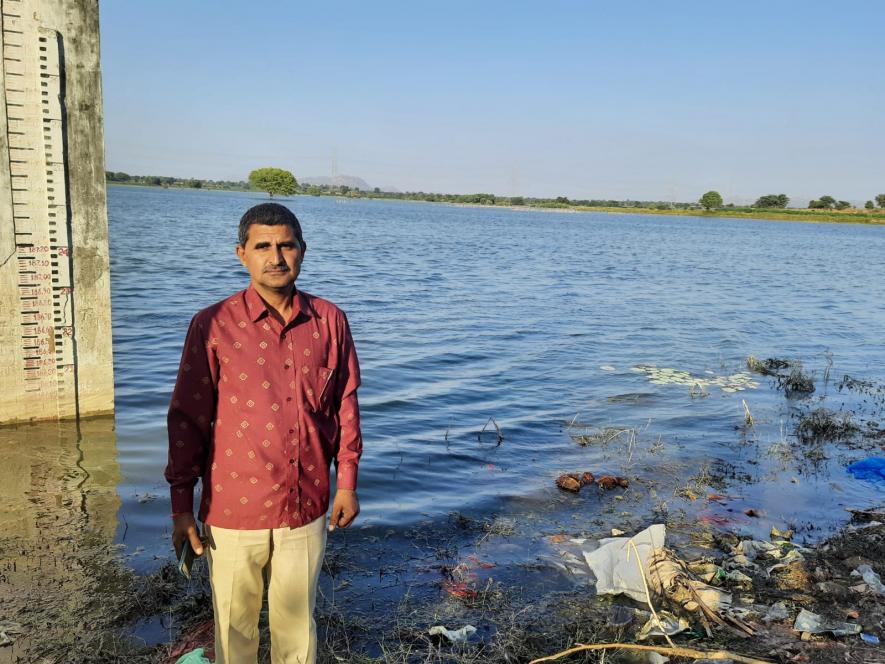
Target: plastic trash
(869, 469)
(810, 622)
(453, 635)
(620, 616)
(870, 578)
(193, 657)
(671, 625)
(777, 611)
(870, 638)
(615, 566)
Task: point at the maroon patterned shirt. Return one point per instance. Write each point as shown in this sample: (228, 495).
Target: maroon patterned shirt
(261, 409)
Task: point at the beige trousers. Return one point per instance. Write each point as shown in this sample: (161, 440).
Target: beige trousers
(292, 558)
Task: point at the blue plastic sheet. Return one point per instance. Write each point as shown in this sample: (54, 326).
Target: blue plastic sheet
(869, 469)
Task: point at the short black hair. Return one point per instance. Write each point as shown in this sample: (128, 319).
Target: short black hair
(269, 214)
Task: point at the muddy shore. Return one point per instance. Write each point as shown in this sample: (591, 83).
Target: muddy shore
(516, 576)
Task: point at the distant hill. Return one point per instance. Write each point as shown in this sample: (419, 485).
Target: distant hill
(337, 181)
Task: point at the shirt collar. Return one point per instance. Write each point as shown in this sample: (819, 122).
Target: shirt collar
(257, 307)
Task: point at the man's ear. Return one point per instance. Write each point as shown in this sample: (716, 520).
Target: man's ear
(240, 253)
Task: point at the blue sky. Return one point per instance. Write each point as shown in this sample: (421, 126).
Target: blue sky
(650, 100)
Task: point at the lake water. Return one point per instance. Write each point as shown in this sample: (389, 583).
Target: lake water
(541, 322)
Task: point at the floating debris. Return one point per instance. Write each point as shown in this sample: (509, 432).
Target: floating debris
(869, 469)
(736, 382)
(574, 482)
(611, 482)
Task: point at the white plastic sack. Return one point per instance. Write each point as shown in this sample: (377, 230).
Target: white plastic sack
(454, 635)
(615, 566)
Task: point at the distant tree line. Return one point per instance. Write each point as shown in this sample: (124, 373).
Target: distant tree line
(713, 200)
(487, 199)
(276, 181)
(120, 177)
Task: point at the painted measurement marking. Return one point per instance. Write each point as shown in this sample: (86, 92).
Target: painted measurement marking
(34, 87)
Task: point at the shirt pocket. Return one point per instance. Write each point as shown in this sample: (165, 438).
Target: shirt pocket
(317, 387)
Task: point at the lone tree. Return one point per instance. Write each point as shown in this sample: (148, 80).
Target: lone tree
(880, 200)
(772, 201)
(273, 181)
(823, 203)
(869, 205)
(711, 200)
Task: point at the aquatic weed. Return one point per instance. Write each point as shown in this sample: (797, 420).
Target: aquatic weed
(825, 425)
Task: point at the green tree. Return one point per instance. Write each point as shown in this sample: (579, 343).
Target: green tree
(772, 201)
(517, 200)
(823, 203)
(880, 200)
(869, 205)
(711, 200)
(275, 181)
(842, 205)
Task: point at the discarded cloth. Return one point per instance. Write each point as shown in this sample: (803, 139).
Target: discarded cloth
(869, 469)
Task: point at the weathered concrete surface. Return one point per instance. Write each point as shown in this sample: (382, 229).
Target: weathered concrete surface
(55, 327)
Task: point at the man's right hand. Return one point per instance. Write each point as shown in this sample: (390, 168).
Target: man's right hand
(185, 527)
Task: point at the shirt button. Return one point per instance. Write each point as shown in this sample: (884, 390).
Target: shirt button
(288, 398)
(291, 460)
(291, 490)
(291, 430)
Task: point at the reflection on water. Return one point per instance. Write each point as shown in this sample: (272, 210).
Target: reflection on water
(58, 514)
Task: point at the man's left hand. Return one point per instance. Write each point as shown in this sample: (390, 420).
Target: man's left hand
(345, 508)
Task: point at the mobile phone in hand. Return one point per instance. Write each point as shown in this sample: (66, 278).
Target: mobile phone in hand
(186, 560)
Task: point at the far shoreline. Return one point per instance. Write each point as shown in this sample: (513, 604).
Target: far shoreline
(853, 216)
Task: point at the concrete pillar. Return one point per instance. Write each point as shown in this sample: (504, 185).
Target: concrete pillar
(55, 316)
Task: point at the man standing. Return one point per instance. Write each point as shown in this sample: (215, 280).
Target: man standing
(264, 402)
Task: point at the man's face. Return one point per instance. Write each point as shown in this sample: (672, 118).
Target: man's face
(272, 256)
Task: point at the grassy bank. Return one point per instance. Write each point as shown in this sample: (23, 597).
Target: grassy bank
(851, 215)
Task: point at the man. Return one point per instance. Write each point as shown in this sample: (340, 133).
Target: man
(265, 400)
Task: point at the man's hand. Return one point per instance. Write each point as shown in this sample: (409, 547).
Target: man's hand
(345, 507)
(184, 527)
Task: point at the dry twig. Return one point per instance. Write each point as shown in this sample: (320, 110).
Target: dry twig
(675, 651)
